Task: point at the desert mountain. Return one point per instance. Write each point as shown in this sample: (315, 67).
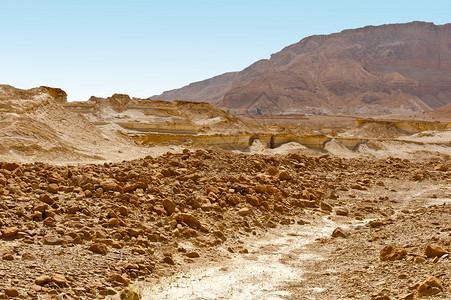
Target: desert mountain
(388, 69)
(34, 126)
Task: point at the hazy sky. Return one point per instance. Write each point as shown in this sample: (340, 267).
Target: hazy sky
(143, 48)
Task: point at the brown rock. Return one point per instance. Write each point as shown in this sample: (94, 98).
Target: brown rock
(192, 254)
(138, 250)
(52, 188)
(133, 231)
(10, 166)
(113, 222)
(50, 222)
(123, 210)
(73, 209)
(342, 211)
(99, 249)
(166, 172)
(419, 259)
(52, 239)
(11, 292)
(408, 296)
(380, 297)
(430, 287)
(168, 260)
(376, 223)
(169, 206)
(36, 288)
(160, 210)
(261, 189)
(253, 200)
(339, 232)
(54, 178)
(46, 199)
(119, 278)
(109, 184)
(284, 175)
(8, 256)
(189, 220)
(10, 232)
(326, 206)
(441, 167)
(391, 252)
(28, 256)
(60, 280)
(244, 211)
(272, 171)
(107, 291)
(434, 250)
(43, 279)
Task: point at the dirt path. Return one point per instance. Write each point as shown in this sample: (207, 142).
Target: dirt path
(262, 273)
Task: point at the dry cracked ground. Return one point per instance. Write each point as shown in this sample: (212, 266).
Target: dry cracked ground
(91, 231)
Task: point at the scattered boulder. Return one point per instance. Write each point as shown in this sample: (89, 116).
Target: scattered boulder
(434, 250)
(244, 211)
(10, 166)
(391, 252)
(46, 199)
(109, 184)
(99, 249)
(123, 210)
(119, 278)
(11, 292)
(441, 167)
(9, 232)
(430, 286)
(43, 279)
(340, 233)
(168, 260)
(52, 188)
(284, 175)
(376, 224)
(192, 254)
(326, 206)
(189, 220)
(169, 206)
(408, 296)
(60, 280)
(342, 211)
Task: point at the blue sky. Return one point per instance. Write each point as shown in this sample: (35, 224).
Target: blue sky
(143, 48)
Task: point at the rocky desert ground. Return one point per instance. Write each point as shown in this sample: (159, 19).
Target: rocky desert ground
(98, 202)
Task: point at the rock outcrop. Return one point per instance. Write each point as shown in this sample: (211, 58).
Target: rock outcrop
(136, 116)
(388, 69)
(34, 126)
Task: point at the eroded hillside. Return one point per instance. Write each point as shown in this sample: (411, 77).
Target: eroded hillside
(35, 127)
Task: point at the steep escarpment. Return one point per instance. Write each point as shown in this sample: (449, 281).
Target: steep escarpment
(388, 69)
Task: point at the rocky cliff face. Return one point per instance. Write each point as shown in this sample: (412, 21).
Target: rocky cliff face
(396, 68)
